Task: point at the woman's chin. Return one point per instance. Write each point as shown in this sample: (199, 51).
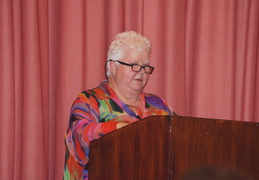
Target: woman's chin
(137, 88)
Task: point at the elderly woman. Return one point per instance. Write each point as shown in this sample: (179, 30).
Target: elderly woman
(115, 103)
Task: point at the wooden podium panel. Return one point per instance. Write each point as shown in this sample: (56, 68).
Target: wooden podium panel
(137, 151)
(226, 143)
(161, 147)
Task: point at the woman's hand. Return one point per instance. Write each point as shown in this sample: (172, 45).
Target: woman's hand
(121, 124)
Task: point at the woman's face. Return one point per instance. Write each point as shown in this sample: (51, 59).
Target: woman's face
(128, 81)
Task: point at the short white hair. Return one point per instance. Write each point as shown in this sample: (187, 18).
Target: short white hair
(126, 40)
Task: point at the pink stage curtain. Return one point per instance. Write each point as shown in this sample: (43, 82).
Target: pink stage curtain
(205, 55)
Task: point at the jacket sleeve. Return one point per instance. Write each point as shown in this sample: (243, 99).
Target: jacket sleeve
(84, 126)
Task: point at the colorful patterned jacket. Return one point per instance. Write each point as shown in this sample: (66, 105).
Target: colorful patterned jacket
(95, 113)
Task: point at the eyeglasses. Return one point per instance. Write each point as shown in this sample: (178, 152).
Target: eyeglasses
(136, 67)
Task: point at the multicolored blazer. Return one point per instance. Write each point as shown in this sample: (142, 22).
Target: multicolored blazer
(95, 113)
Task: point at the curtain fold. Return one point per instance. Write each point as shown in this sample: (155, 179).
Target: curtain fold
(205, 55)
(7, 103)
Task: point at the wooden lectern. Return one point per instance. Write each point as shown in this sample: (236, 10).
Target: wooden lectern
(165, 148)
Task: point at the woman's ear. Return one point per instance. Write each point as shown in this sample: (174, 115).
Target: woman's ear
(113, 67)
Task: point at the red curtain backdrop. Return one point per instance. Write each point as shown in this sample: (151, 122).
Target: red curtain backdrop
(205, 55)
